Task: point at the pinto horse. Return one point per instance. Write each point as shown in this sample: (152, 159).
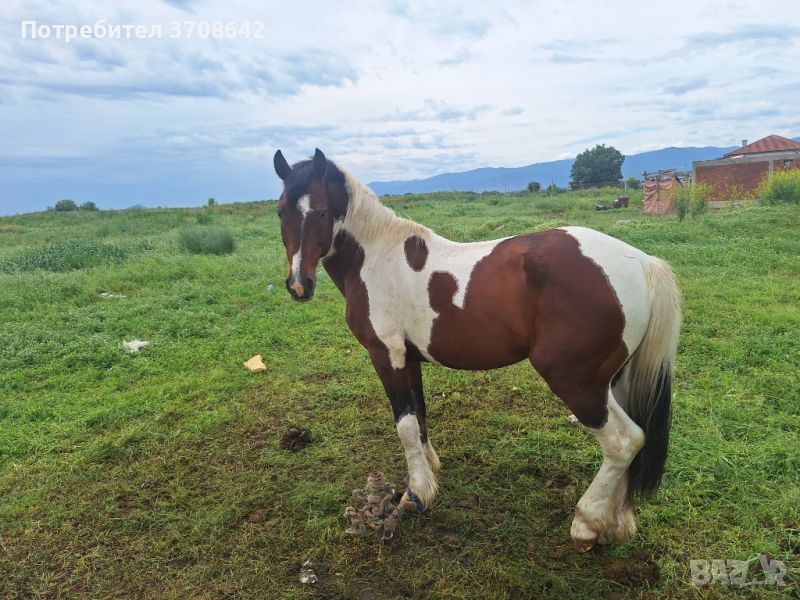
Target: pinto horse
(597, 318)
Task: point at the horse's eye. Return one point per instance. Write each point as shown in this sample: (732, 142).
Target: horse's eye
(322, 214)
(280, 214)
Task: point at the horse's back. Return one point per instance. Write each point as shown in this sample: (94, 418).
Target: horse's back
(574, 286)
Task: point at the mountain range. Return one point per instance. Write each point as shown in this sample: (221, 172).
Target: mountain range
(509, 179)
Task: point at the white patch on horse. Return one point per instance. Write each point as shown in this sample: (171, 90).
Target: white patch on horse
(603, 508)
(460, 260)
(421, 479)
(304, 206)
(296, 257)
(622, 265)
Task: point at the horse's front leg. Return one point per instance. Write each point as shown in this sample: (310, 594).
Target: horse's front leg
(403, 385)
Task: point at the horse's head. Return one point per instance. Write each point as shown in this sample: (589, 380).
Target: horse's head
(313, 200)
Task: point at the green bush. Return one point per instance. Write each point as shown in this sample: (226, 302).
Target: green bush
(534, 186)
(66, 205)
(88, 206)
(69, 256)
(632, 183)
(781, 187)
(207, 240)
(203, 217)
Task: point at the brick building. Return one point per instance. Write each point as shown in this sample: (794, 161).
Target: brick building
(745, 167)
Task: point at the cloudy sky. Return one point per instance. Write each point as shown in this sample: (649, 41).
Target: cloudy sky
(391, 90)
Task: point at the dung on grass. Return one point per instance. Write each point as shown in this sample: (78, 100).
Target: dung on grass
(207, 240)
(69, 255)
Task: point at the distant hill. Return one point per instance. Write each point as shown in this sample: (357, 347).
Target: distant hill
(504, 179)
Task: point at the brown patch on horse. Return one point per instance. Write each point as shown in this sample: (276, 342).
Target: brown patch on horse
(535, 296)
(416, 252)
(344, 268)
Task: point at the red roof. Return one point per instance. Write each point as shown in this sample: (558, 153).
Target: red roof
(771, 143)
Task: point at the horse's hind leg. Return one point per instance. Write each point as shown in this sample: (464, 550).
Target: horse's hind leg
(604, 513)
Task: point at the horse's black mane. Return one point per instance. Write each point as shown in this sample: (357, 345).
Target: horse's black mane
(301, 174)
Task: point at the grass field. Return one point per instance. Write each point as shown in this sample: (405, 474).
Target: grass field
(161, 474)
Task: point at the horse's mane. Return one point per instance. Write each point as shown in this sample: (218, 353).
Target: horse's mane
(370, 220)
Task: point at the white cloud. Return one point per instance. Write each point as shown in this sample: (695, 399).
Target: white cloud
(395, 90)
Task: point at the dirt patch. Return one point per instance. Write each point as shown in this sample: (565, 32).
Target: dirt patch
(640, 570)
(257, 516)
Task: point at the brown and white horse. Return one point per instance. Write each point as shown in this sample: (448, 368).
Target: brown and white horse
(597, 318)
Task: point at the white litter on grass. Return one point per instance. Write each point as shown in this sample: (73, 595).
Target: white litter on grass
(307, 574)
(270, 287)
(573, 419)
(134, 345)
(110, 295)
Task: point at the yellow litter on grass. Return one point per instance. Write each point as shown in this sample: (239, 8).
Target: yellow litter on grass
(255, 364)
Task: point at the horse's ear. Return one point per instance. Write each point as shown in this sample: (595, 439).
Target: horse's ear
(319, 164)
(282, 167)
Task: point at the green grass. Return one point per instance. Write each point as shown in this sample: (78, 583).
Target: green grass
(134, 475)
(206, 239)
(69, 255)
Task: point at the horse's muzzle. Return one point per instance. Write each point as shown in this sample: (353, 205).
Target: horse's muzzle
(301, 289)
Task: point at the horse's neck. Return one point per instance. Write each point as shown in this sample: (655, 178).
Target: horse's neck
(369, 229)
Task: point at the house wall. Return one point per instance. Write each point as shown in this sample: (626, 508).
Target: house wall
(721, 178)
(746, 172)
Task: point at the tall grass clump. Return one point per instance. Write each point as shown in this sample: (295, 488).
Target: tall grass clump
(691, 199)
(69, 255)
(207, 240)
(781, 187)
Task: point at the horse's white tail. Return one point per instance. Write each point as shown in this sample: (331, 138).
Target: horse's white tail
(649, 377)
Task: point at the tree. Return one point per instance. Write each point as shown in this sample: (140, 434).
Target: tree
(88, 206)
(553, 189)
(212, 202)
(65, 205)
(602, 165)
(534, 186)
(632, 183)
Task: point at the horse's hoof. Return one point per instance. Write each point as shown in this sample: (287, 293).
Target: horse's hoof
(583, 546)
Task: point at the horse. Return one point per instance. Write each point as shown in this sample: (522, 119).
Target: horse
(597, 318)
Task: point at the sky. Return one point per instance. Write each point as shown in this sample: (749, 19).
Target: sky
(389, 90)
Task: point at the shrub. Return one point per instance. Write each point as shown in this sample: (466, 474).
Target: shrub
(207, 240)
(204, 217)
(212, 202)
(534, 186)
(65, 205)
(632, 183)
(553, 189)
(781, 187)
(88, 206)
(691, 199)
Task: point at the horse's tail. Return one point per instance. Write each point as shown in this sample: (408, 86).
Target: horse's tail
(649, 377)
